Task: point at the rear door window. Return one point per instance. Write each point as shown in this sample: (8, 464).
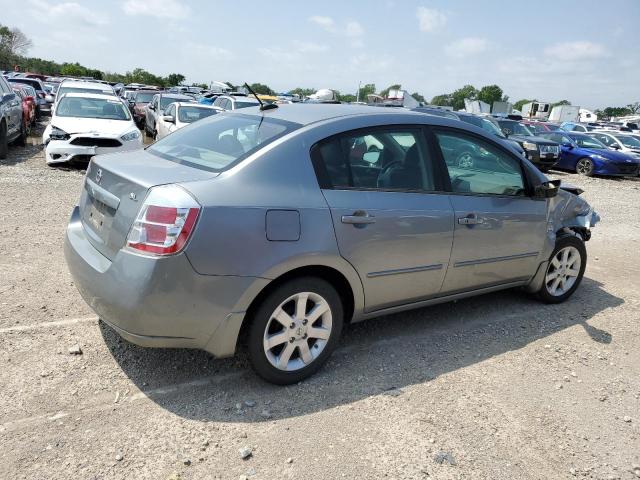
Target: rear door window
(377, 159)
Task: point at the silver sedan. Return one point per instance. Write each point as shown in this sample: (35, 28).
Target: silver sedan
(279, 226)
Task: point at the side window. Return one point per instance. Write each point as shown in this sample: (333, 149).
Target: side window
(227, 104)
(156, 101)
(171, 110)
(380, 159)
(4, 86)
(476, 166)
(604, 139)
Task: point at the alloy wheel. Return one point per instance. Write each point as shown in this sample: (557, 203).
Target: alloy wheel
(563, 271)
(584, 166)
(465, 160)
(297, 331)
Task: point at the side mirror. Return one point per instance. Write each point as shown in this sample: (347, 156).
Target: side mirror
(570, 146)
(547, 189)
(615, 146)
(169, 118)
(49, 98)
(151, 107)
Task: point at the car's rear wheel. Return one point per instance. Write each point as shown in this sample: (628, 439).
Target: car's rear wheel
(565, 270)
(4, 147)
(584, 166)
(294, 330)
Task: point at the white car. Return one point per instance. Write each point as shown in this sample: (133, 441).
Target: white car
(621, 141)
(84, 124)
(235, 102)
(79, 86)
(181, 114)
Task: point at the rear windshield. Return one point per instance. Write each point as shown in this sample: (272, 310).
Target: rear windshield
(245, 104)
(220, 141)
(144, 97)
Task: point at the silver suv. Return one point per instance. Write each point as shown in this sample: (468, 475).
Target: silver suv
(281, 225)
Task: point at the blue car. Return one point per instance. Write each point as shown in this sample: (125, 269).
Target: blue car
(588, 156)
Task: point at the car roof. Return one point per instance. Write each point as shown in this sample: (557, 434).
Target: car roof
(99, 96)
(83, 84)
(175, 95)
(307, 113)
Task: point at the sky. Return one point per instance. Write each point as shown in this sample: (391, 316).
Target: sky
(585, 51)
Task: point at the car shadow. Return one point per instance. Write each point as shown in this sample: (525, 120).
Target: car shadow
(377, 357)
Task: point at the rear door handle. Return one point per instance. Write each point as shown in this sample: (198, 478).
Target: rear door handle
(359, 217)
(471, 219)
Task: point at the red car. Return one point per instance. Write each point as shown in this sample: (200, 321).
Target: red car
(28, 108)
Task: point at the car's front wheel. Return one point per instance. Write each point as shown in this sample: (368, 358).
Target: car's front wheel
(565, 270)
(294, 330)
(584, 166)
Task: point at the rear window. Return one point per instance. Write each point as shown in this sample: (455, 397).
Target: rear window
(106, 91)
(221, 141)
(191, 114)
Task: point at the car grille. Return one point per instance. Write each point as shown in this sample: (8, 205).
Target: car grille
(627, 168)
(555, 149)
(95, 142)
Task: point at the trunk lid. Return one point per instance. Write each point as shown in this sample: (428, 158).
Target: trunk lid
(114, 190)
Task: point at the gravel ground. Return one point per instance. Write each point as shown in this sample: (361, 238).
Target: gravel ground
(494, 387)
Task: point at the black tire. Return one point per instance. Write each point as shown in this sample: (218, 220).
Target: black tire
(4, 146)
(584, 166)
(561, 243)
(21, 141)
(263, 315)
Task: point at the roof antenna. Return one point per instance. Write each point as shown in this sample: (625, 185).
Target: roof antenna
(263, 106)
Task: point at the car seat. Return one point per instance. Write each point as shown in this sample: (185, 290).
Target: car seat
(403, 175)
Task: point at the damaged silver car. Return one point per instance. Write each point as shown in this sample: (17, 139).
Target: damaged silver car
(279, 225)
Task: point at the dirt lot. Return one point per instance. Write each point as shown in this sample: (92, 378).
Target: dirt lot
(495, 387)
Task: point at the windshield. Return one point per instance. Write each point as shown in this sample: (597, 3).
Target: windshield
(628, 141)
(107, 91)
(220, 141)
(92, 108)
(191, 114)
(515, 128)
(245, 104)
(166, 101)
(484, 124)
(588, 142)
(144, 97)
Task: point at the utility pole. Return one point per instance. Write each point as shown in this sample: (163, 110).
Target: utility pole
(358, 93)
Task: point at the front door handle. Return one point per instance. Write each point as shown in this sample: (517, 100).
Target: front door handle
(359, 217)
(471, 219)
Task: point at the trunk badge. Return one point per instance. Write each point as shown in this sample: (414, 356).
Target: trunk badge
(133, 197)
(99, 175)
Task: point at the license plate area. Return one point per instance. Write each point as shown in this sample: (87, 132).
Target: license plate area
(98, 217)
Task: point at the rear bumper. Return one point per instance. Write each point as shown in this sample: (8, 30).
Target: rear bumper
(159, 302)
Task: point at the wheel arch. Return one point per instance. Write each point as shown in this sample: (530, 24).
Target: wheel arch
(351, 295)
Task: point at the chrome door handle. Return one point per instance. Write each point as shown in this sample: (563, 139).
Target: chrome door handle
(359, 218)
(470, 220)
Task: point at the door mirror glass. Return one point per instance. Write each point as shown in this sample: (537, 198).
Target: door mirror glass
(547, 189)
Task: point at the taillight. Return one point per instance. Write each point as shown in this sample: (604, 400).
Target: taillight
(165, 221)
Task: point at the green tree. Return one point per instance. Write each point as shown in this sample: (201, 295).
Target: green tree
(174, 79)
(418, 97)
(73, 70)
(490, 94)
(634, 107)
(444, 100)
(520, 103)
(385, 92)
(261, 89)
(347, 97)
(560, 103)
(459, 95)
(367, 89)
(303, 92)
(614, 112)
(204, 86)
(13, 44)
